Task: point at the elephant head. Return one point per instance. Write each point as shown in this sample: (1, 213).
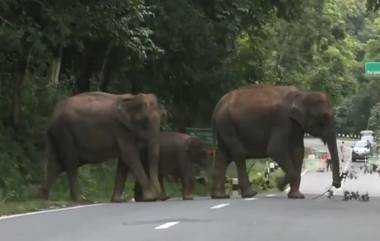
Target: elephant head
(140, 114)
(197, 151)
(313, 112)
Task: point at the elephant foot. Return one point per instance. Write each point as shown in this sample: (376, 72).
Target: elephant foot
(187, 197)
(296, 195)
(219, 195)
(164, 197)
(148, 196)
(118, 199)
(247, 193)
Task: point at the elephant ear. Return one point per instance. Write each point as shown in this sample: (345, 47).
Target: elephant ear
(124, 109)
(191, 146)
(298, 110)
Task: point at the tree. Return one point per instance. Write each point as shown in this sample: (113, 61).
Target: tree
(374, 119)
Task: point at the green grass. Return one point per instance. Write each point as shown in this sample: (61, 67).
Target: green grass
(256, 173)
(13, 207)
(96, 183)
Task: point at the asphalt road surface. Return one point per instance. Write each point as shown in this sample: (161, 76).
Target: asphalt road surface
(266, 217)
(263, 218)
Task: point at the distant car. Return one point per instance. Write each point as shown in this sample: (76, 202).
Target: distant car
(361, 150)
(368, 135)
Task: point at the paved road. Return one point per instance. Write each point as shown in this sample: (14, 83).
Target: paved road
(317, 182)
(265, 217)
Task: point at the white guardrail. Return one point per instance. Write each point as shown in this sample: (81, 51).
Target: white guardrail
(350, 136)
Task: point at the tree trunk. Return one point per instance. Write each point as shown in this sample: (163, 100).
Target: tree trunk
(82, 83)
(21, 76)
(105, 73)
(56, 66)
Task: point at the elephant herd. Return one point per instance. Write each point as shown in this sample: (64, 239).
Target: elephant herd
(255, 121)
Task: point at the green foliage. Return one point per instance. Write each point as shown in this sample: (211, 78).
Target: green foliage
(187, 52)
(374, 119)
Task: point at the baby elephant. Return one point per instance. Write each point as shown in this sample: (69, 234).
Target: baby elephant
(181, 157)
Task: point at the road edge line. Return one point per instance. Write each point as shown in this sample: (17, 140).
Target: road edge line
(4, 217)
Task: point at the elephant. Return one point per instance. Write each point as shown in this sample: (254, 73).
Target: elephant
(261, 121)
(93, 127)
(181, 157)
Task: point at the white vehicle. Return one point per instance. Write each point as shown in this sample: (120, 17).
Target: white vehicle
(361, 150)
(367, 135)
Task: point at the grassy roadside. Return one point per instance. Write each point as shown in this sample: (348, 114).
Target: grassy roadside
(96, 183)
(256, 173)
(61, 199)
(14, 207)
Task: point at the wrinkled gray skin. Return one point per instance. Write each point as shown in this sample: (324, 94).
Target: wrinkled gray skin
(262, 121)
(94, 127)
(181, 157)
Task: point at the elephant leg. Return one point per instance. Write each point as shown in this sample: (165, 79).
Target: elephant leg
(219, 175)
(121, 176)
(53, 169)
(130, 157)
(71, 164)
(72, 175)
(187, 188)
(297, 155)
(245, 187)
(278, 151)
(163, 195)
(153, 170)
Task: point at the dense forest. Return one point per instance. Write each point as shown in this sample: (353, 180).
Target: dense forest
(187, 52)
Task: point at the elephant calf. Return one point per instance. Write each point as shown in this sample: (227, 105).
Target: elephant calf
(181, 157)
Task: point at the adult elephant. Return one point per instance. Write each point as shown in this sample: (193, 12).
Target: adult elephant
(260, 121)
(94, 127)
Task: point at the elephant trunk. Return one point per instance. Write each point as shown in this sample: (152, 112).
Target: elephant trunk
(333, 149)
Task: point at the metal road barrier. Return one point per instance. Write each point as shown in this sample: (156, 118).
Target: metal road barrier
(207, 135)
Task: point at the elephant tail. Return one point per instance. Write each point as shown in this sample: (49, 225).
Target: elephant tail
(214, 131)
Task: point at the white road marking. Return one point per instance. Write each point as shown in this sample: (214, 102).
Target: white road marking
(271, 195)
(49, 211)
(251, 199)
(166, 225)
(302, 174)
(222, 205)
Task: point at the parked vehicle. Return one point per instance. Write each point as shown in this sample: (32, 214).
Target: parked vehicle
(361, 150)
(367, 135)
